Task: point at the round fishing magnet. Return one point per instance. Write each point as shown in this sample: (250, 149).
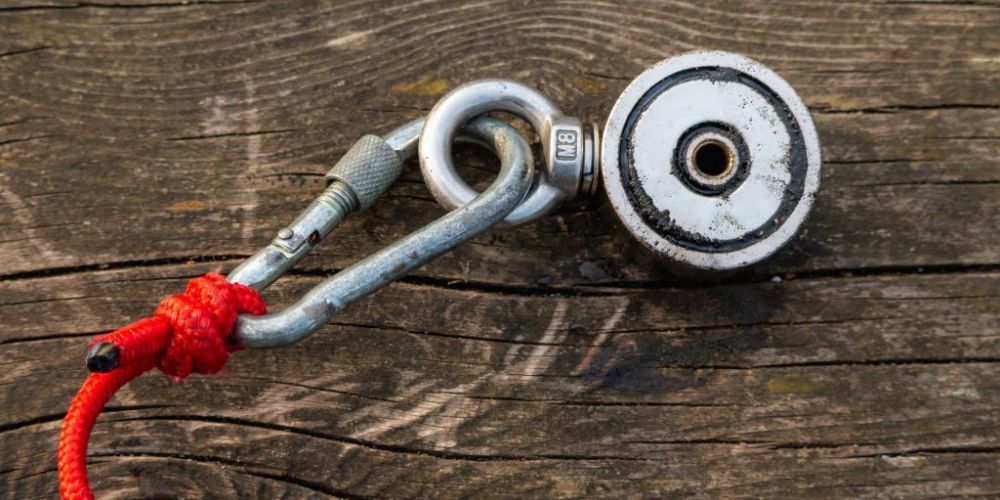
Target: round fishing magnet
(711, 160)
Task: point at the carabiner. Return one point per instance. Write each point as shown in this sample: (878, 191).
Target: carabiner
(362, 175)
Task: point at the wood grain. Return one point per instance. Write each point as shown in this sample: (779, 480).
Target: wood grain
(143, 143)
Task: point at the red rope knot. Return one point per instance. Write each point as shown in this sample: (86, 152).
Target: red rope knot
(187, 333)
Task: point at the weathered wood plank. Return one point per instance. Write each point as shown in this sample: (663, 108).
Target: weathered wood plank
(730, 389)
(142, 143)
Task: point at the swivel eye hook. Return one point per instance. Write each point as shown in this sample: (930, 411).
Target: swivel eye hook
(568, 146)
(360, 177)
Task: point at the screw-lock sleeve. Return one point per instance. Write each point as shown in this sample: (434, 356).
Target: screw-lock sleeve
(368, 168)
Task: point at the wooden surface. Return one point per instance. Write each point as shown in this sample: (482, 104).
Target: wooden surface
(144, 143)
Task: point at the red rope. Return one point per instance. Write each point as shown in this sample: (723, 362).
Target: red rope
(187, 333)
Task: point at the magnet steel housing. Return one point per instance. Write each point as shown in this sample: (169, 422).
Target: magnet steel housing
(710, 160)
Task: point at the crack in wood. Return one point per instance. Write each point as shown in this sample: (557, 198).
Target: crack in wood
(40, 338)
(886, 362)
(233, 134)
(392, 448)
(19, 52)
(24, 139)
(970, 449)
(56, 417)
(310, 485)
(903, 107)
(127, 6)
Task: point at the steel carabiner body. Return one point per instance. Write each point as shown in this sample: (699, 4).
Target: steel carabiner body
(361, 176)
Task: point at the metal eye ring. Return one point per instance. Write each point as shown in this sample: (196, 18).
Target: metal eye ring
(568, 151)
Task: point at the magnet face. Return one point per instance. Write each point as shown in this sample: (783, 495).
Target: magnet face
(711, 160)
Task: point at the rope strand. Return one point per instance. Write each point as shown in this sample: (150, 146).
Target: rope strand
(187, 333)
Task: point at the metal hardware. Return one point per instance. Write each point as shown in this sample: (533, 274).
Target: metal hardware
(709, 159)
(362, 175)
(568, 146)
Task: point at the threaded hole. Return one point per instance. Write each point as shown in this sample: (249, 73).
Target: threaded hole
(713, 159)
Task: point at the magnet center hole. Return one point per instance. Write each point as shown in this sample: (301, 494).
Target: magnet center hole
(713, 159)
